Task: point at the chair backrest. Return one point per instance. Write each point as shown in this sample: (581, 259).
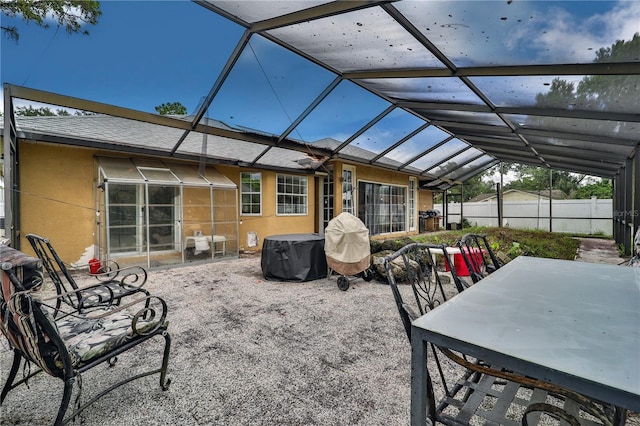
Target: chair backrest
(27, 326)
(478, 256)
(415, 264)
(635, 260)
(56, 269)
(467, 388)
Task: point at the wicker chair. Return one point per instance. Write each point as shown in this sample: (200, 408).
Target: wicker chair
(463, 391)
(72, 343)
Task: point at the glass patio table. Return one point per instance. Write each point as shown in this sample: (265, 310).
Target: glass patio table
(573, 324)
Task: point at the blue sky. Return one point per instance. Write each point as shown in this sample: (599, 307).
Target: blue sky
(139, 55)
(145, 53)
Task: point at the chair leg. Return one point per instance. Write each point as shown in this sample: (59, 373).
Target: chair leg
(164, 382)
(431, 402)
(620, 417)
(12, 375)
(66, 398)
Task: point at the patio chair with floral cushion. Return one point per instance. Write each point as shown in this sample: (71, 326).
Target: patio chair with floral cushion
(73, 342)
(462, 390)
(112, 286)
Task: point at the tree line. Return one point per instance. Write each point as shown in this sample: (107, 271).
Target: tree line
(538, 179)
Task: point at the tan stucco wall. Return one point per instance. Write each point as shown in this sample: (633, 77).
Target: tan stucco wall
(57, 197)
(268, 223)
(373, 174)
(425, 200)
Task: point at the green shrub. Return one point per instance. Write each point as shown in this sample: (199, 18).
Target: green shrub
(514, 242)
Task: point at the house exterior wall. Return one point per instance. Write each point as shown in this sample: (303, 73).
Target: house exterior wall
(269, 222)
(58, 200)
(519, 196)
(425, 200)
(57, 187)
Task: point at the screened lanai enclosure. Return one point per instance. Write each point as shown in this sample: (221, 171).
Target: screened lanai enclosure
(160, 214)
(442, 90)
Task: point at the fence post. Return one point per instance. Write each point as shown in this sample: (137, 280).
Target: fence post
(500, 212)
(550, 198)
(592, 213)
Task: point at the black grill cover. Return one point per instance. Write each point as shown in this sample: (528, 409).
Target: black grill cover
(293, 257)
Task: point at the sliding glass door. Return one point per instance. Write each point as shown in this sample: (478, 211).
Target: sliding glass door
(382, 208)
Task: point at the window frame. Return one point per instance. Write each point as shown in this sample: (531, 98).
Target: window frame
(251, 193)
(350, 187)
(412, 203)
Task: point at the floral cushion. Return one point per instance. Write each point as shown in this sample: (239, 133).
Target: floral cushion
(87, 338)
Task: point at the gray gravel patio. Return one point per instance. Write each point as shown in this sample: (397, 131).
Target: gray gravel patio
(249, 351)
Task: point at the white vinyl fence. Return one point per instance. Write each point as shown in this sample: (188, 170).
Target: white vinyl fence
(592, 216)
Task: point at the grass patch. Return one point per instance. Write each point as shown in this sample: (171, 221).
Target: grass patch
(513, 242)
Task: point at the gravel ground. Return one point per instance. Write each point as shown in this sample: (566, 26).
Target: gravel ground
(246, 351)
(249, 351)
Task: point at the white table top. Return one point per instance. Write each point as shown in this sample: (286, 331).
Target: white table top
(572, 323)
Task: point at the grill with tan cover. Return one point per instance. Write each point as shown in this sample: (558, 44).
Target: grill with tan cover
(346, 245)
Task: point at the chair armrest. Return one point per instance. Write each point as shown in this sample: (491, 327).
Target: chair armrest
(109, 269)
(130, 276)
(105, 267)
(148, 314)
(104, 295)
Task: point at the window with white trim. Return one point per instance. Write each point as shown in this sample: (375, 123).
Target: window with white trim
(291, 195)
(251, 193)
(348, 189)
(412, 201)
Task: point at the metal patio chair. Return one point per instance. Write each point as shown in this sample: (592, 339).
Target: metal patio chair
(72, 343)
(462, 390)
(112, 285)
(478, 256)
(635, 260)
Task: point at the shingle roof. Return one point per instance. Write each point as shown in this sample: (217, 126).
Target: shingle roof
(116, 133)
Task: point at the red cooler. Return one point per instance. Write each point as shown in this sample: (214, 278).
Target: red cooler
(461, 267)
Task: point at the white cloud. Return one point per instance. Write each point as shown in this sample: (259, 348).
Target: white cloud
(566, 36)
(500, 33)
(508, 177)
(52, 19)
